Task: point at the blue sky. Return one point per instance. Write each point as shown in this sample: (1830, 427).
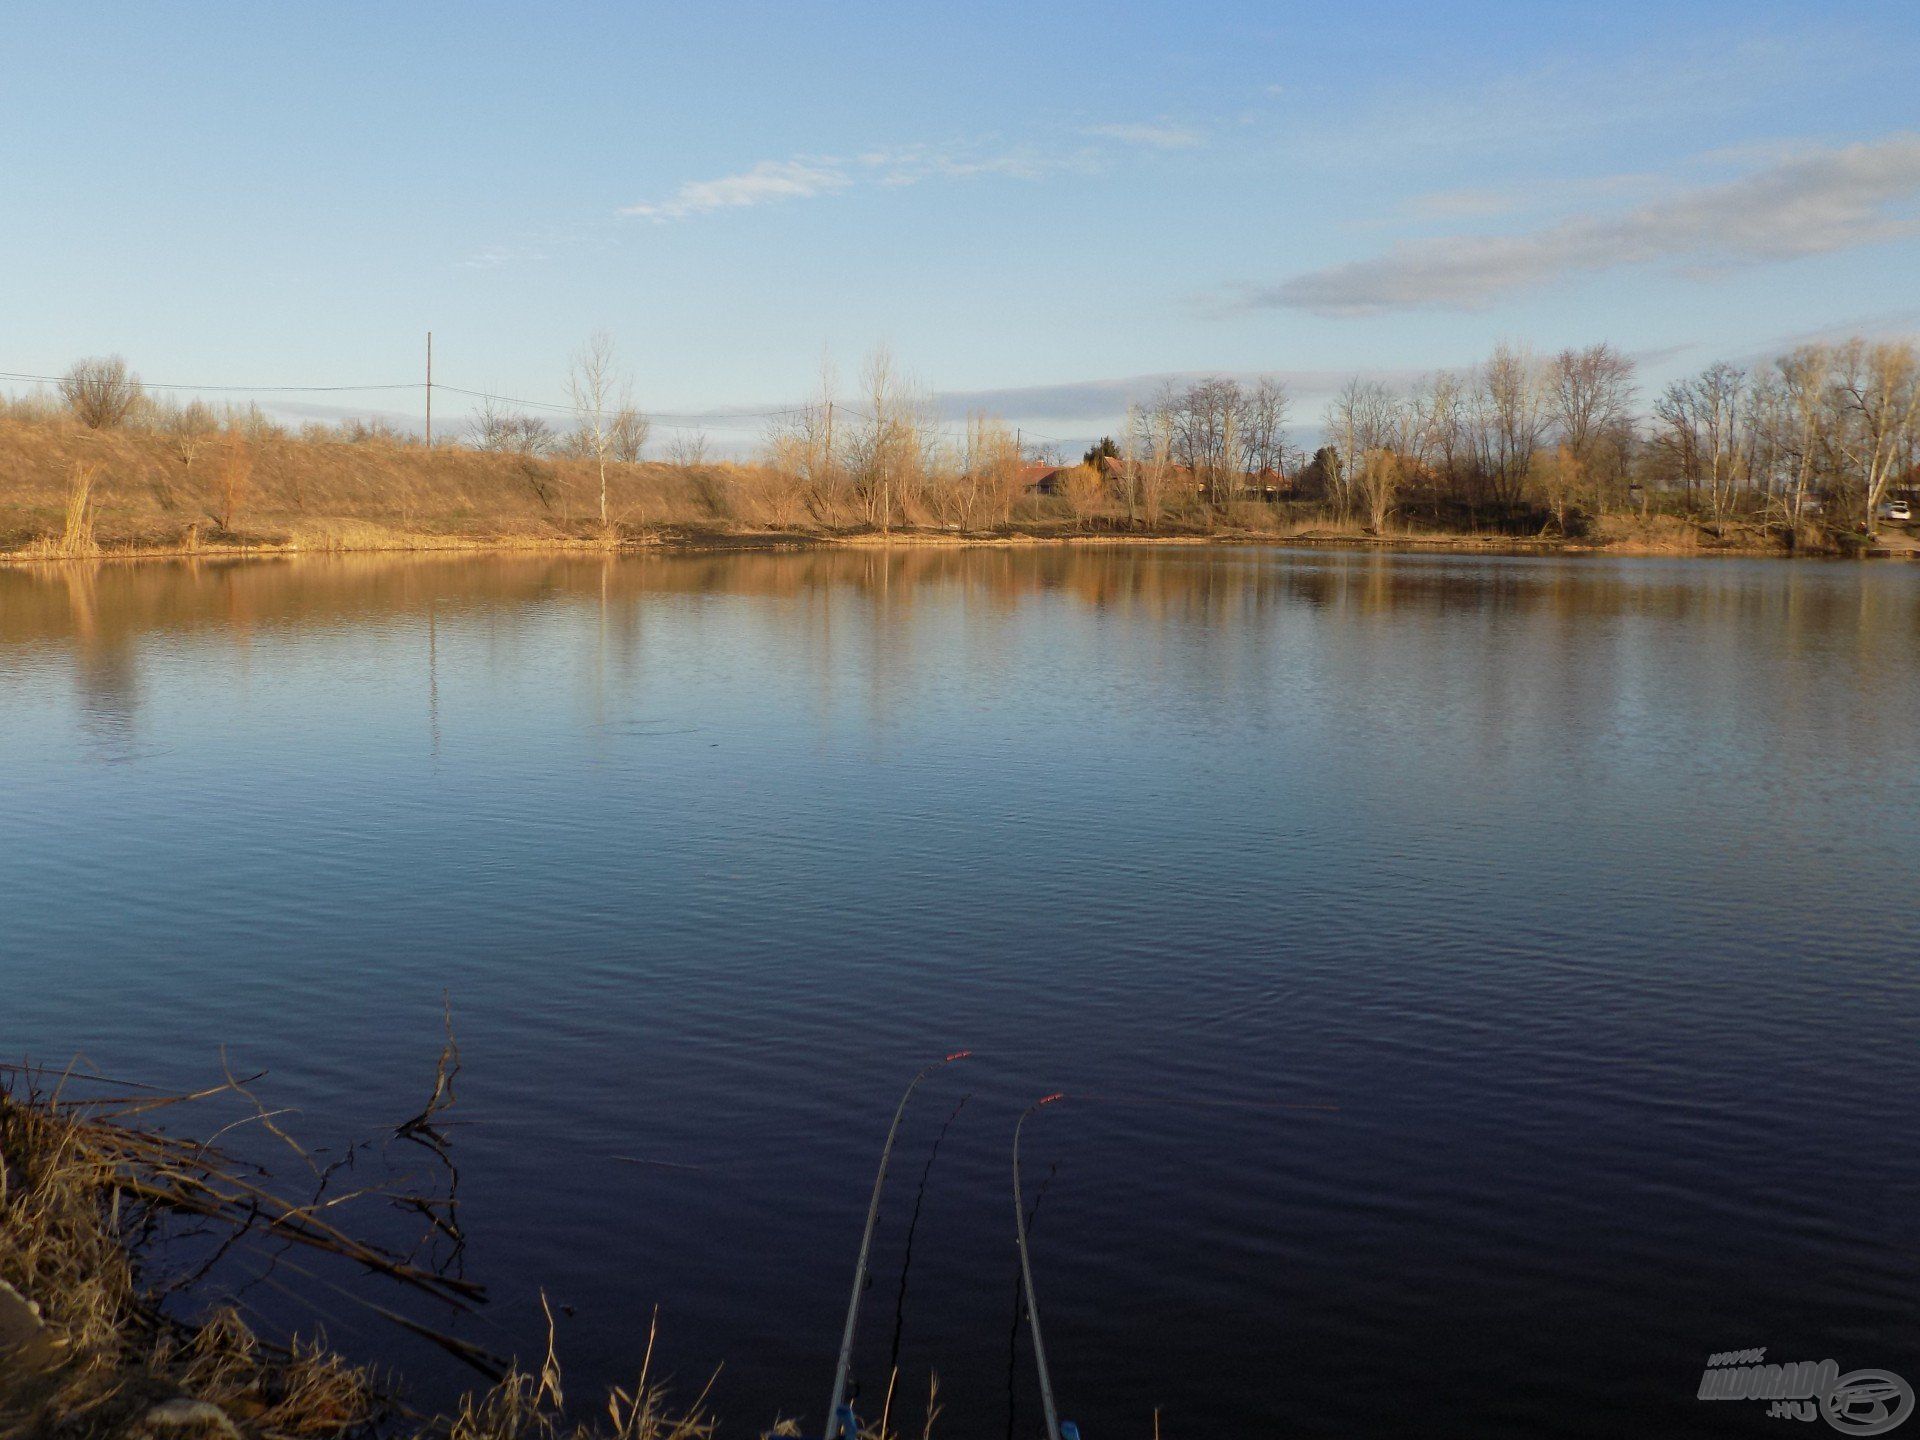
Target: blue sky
(1039, 207)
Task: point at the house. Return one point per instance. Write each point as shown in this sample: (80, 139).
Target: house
(1043, 478)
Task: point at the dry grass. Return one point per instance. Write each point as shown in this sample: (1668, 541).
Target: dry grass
(78, 1189)
(274, 491)
(86, 1191)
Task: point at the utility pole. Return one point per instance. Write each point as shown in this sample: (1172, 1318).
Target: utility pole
(429, 389)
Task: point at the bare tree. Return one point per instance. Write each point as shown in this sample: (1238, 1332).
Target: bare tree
(688, 450)
(1084, 487)
(1443, 401)
(801, 445)
(1150, 438)
(990, 473)
(1221, 431)
(1512, 419)
(232, 479)
(599, 394)
(1202, 419)
(487, 427)
(713, 488)
(1263, 428)
(504, 431)
(888, 454)
(1380, 473)
(1362, 418)
(1807, 433)
(1702, 429)
(1880, 388)
(1589, 397)
(189, 429)
(1130, 465)
(627, 434)
(101, 391)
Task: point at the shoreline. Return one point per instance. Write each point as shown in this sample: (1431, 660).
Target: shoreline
(694, 542)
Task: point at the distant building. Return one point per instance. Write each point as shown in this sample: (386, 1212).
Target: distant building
(1041, 478)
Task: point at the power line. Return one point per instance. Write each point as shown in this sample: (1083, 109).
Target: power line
(672, 420)
(244, 389)
(666, 419)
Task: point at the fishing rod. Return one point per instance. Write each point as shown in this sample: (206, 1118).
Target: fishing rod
(1058, 1429)
(1055, 1429)
(840, 1421)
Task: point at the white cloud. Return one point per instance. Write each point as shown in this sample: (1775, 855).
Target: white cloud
(1459, 204)
(1161, 136)
(910, 164)
(768, 181)
(806, 176)
(1817, 202)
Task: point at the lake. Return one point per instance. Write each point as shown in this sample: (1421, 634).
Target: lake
(1483, 987)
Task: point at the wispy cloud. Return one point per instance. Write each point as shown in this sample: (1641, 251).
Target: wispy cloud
(1103, 400)
(1161, 136)
(1902, 324)
(492, 257)
(1564, 102)
(910, 164)
(1816, 203)
(769, 181)
(1539, 197)
(807, 176)
(1461, 204)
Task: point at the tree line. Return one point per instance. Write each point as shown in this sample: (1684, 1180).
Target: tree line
(1824, 430)
(1823, 434)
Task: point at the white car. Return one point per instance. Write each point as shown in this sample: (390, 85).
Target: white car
(1897, 510)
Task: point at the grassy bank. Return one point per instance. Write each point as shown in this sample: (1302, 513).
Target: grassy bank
(69, 492)
(114, 1231)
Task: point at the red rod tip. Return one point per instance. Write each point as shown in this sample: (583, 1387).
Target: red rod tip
(1049, 1099)
(957, 1055)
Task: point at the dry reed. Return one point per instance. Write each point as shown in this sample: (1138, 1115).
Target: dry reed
(77, 538)
(90, 1191)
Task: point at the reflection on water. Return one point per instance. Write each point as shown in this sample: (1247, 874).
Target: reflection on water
(102, 614)
(1582, 886)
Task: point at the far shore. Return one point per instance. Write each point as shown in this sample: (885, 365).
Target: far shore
(70, 493)
(365, 538)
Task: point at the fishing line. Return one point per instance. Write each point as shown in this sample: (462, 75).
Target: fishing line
(1114, 1097)
(906, 1260)
(1022, 1219)
(834, 1425)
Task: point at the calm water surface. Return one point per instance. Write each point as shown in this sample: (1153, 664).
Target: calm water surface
(1585, 890)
